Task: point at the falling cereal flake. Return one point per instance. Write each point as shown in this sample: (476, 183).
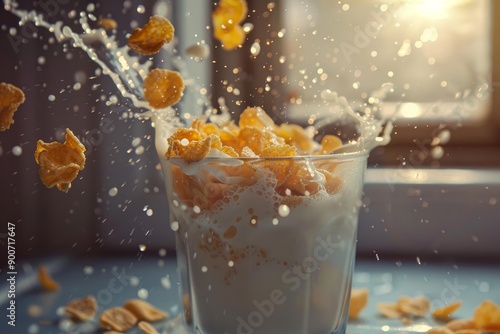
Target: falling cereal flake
(142, 248)
(284, 210)
(143, 293)
(113, 192)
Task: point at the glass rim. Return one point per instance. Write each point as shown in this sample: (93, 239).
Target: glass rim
(348, 156)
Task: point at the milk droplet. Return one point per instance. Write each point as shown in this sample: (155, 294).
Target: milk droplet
(88, 270)
(139, 150)
(255, 49)
(17, 150)
(230, 264)
(174, 226)
(165, 282)
(143, 293)
(51, 98)
(284, 210)
(113, 192)
(149, 212)
(141, 9)
(444, 137)
(33, 329)
(437, 152)
(196, 209)
(134, 281)
(247, 27)
(142, 248)
(198, 51)
(275, 221)
(162, 252)
(484, 287)
(136, 141)
(204, 269)
(328, 95)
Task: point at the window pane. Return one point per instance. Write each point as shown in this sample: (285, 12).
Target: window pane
(436, 53)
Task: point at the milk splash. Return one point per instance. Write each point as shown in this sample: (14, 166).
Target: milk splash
(128, 72)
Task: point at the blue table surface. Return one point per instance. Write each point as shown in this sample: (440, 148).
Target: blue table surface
(115, 279)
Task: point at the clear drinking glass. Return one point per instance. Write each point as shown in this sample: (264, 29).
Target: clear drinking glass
(266, 245)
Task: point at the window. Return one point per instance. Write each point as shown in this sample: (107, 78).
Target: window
(434, 189)
(438, 55)
(442, 58)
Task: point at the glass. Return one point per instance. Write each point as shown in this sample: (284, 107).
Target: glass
(265, 245)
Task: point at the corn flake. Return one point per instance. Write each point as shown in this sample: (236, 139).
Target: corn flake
(60, 163)
(147, 328)
(118, 319)
(487, 316)
(418, 306)
(107, 23)
(461, 324)
(149, 39)
(257, 118)
(329, 143)
(11, 98)
(296, 136)
(358, 301)
(144, 311)
(226, 19)
(82, 309)
(447, 311)
(389, 310)
(439, 330)
(163, 88)
(46, 281)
